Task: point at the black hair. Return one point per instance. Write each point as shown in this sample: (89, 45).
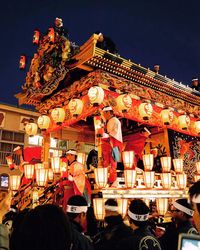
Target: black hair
(76, 200)
(111, 202)
(45, 227)
(138, 206)
(194, 190)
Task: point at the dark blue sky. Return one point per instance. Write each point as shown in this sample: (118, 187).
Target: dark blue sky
(148, 32)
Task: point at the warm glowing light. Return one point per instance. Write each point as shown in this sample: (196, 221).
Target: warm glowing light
(39, 166)
(149, 178)
(101, 177)
(56, 164)
(128, 158)
(124, 102)
(51, 35)
(22, 62)
(196, 177)
(166, 180)
(75, 107)
(162, 205)
(166, 164)
(29, 171)
(96, 95)
(50, 174)
(122, 206)
(99, 208)
(36, 37)
(181, 181)
(145, 110)
(43, 122)
(15, 182)
(130, 178)
(198, 167)
(58, 115)
(197, 127)
(148, 162)
(184, 121)
(31, 128)
(167, 116)
(178, 165)
(41, 177)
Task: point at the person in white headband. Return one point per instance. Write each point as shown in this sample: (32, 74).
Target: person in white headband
(142, 237)
(194, 193)
(182, 213)
(77, 212)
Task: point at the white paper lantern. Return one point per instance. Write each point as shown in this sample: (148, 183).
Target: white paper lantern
(75, 107)
(58, 115)
(124, 102)
(145, 110)
(96, 95)
(184, 121)
(43, 122)
(167, 116)
(31, 128)
(197, 127)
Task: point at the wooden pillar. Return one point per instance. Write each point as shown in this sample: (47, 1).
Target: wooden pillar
(45, 149)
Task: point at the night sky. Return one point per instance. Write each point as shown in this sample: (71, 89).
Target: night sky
(148, 32)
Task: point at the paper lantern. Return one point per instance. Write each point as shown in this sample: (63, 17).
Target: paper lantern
(35, 198)
(178, 165)
(58, 115)
(29, 171)
(166, 180)
(75, 107)
(129, 178)
(166, 164)
(184, 121)
(162, 205)
(51, 35)
(128, 158)
(36, 37)
(56, 164)
(145, 110)
(167, 116)
(81, 157)
(122, 206)
(149, 178)
(98, 126)
(198, 167)
(31, 128)
(96, 95)
(181, 181)
(43, 122)
(99, 208)
(41, 177)
(197, 127)
(39, 166)
(148, 161)
(22, 62)
(50, 174)
(124, 102)
(101, 177)
(15, 181)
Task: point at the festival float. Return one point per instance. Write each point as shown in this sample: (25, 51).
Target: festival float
(70, 85)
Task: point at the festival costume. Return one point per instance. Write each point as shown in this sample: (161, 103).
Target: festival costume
(108, 144)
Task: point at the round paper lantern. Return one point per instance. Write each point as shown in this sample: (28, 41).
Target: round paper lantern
(184, 121)
(31, 128)
(58, 115)
(96, 95)
(167, 116)
(145, 110)
(124, 102)
(43, 122)
(75, 107)
(197, 127)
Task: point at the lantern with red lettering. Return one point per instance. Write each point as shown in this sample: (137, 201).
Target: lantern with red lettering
(58, 115)
(96, 95)
(145, 110)
(22, 62)
(197, 127)
(31, 128)
(167, 116)
(124, 102)
(36, 37)
(184, 121)
(75, 107)
(43, 122)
